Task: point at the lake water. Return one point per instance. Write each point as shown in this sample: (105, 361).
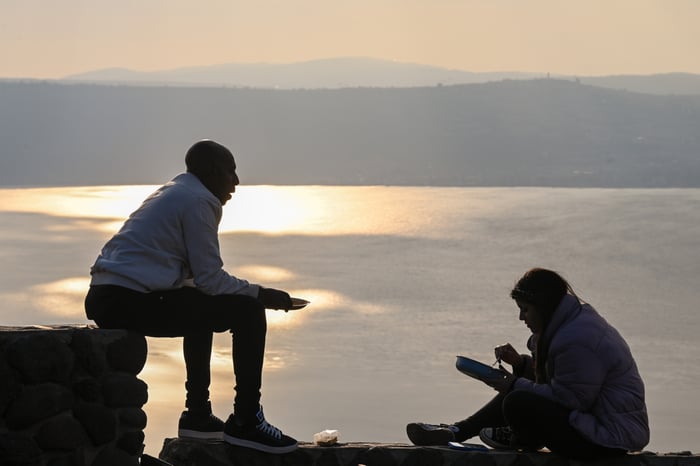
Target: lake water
(401, 281)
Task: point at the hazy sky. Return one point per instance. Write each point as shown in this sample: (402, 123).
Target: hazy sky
(54, 38)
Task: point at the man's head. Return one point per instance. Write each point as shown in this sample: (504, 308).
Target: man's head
(215, 167)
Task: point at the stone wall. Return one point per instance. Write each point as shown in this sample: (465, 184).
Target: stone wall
(184, 452)
(69, 396)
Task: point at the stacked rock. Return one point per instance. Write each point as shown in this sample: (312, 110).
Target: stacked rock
(69, 396)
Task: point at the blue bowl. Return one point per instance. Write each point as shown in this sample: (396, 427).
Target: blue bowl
(476, 369)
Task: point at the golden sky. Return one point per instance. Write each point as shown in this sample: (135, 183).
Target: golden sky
(55, 38)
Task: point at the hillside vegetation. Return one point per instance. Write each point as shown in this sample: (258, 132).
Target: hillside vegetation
(544, 132)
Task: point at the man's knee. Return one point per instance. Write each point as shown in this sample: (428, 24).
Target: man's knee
(240, 313)
(253, 319)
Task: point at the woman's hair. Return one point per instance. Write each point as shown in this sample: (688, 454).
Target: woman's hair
(544, 289)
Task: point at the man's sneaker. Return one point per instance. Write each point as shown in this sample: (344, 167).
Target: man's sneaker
(200, 426)
(503, 438)
(423, 434)
(259, 435)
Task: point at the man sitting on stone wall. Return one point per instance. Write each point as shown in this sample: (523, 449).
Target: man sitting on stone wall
(162, 275)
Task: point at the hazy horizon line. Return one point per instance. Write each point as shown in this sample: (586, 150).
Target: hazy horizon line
(555, 74)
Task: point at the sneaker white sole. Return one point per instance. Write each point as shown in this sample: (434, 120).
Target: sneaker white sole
(259, 446)
(195, 434)
(484, 437)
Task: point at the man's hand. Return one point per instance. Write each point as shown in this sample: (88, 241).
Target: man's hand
(274, 299)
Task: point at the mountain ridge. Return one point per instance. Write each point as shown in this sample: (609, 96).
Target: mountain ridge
(342, 72)
(543, 132)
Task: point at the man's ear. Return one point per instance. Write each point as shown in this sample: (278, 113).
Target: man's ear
(213, 168)
(207, 171)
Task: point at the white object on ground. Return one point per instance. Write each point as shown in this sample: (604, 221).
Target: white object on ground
(326, 437)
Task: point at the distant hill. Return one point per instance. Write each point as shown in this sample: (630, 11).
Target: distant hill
(659, 84)
(350, 72)
(544, 132)
(334, 73)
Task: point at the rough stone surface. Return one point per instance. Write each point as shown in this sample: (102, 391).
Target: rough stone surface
(122, 390)
(18, 448)
(41, 357)
(60, 433)
(98, 421)
(69, 396)
(185, 452)
(134, 417)
(128, 353)
(35, 403)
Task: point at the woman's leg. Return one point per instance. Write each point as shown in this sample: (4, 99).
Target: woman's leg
(537, 421)
(489, 415)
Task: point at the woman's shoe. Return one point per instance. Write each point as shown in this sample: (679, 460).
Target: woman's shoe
(503, 438)
(424, 434)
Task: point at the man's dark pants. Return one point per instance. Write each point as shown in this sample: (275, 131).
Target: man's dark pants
(189, 313)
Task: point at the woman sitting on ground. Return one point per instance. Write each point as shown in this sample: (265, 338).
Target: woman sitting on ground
(579, 394)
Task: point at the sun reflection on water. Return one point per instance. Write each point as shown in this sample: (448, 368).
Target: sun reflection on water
(84, 201)
(265, 209)
(264, 273)
(62, 298)
(274, 210)
(268, 210)
(320, 300)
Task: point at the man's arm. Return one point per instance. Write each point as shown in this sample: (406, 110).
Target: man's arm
(200, 230)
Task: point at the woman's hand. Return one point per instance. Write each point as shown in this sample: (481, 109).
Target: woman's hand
(508, 354)
(502, 384)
